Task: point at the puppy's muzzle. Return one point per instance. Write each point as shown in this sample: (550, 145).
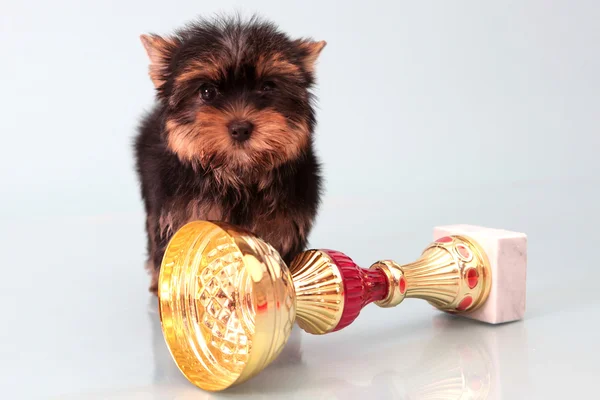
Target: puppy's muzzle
(240, 130)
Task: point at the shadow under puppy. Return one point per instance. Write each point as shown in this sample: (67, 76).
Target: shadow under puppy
(230, 135)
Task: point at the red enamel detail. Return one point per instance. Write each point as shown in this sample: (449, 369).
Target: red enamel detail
(472, 277)
(463, 251)
(465, 303)
(402, 285)
(466, 352)
(361, 286)
(445, 239)
(476, 384)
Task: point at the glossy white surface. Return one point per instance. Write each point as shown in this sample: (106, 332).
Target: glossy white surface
(77, 322)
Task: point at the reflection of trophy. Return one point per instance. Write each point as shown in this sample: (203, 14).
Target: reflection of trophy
(228, 302)
(464, 360)
(455, 365)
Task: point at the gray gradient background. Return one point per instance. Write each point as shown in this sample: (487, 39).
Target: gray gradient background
(429, 113)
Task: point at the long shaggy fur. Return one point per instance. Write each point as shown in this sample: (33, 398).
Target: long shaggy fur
(189, 166)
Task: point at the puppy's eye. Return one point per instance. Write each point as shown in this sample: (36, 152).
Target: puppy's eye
(208, 92)
(267, 86)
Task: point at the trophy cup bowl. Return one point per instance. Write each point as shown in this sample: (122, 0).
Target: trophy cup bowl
(226, 303)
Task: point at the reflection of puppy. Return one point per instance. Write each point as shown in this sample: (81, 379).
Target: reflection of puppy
(230, 135)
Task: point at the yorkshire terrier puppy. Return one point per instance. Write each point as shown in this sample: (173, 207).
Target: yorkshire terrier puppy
(230, 136)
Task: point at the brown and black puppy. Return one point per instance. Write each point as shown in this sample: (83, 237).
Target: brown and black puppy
(230, 135)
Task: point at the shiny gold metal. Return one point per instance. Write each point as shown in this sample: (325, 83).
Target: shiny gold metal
(394, 275)
(319, 292)
(442, 276)
(226, 302)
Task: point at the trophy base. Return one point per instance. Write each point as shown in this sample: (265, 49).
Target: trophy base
(507, 255)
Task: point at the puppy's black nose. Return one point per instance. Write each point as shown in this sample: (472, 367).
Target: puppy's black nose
(240, 130)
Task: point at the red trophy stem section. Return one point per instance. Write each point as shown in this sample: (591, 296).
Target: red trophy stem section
(361, 286)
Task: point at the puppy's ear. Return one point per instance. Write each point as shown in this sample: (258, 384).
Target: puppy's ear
(310, 51)
(159, 51)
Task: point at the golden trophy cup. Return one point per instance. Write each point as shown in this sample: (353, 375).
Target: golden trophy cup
(227, 301)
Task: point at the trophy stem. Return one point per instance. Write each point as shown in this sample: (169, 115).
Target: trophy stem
(319, 301)
(435, 277)
(331, 290)
(452, 274)
(362, 286)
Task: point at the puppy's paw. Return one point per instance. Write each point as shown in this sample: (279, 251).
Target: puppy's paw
(154, 283)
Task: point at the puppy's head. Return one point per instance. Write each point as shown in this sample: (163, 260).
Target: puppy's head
(237, 94)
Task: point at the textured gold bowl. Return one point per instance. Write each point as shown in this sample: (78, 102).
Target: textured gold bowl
(226, 302)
